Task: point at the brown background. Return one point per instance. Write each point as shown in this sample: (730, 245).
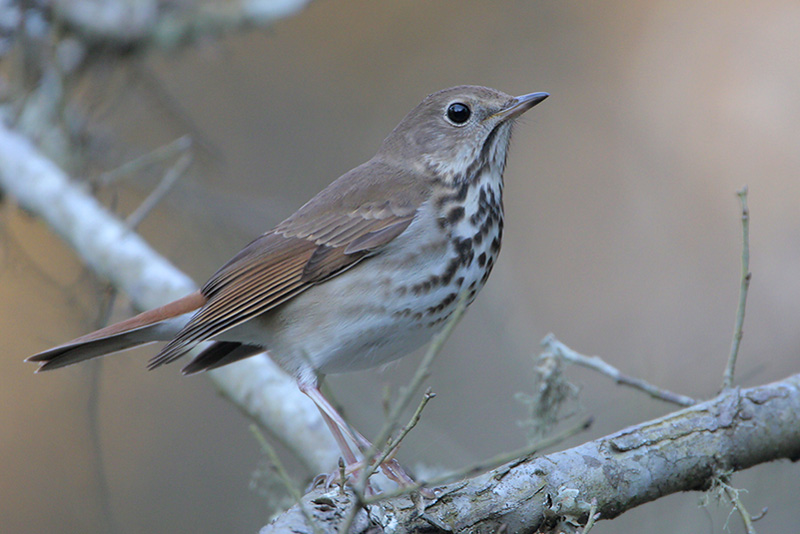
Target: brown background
(622, 238)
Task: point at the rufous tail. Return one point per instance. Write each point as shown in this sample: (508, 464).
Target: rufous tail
(159, 324)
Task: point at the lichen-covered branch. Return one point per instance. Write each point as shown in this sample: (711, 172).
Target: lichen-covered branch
(682, 451)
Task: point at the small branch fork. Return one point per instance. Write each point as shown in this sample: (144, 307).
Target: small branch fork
(554, 346)
(722, 489)
(164, 186)
(747, 519)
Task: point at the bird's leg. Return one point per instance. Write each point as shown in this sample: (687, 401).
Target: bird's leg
(351, 462)
(349, 456)
(339, 428)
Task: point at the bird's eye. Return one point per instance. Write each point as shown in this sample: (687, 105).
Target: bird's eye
(458, 113)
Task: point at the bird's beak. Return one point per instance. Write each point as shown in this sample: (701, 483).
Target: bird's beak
(520, 105)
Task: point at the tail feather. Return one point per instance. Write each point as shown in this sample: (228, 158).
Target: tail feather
(159, 324)
(79, 351)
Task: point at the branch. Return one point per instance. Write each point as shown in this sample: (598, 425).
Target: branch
(139, 23)
(552, 345)
(122, 257)
(727, 380)
(682, 451)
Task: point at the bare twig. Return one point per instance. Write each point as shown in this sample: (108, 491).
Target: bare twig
(163, 187)
(162, 153)
(721, 487)
(393, 444)
(342, 476)
(93, 418)
(593, 516)
(727, 380)
(733, 495)
(550, 343)
(163, 99)
(285, 478)
(721, 490)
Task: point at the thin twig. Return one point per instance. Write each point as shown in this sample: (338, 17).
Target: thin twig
(342, 476)
(593, 516)
(174, 108)
(393, 444)
(162, 153)
(733, 495)
(760, 515)
(163, 187)
(93, 417)
(406, 395)
(285, 478)
(486, 465)
(727, 380)
(550, 343)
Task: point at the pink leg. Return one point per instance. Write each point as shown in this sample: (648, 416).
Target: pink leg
(349, 457)
(338, 427)
(333, 418)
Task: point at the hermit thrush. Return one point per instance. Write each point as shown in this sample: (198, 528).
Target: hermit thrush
(363, 273)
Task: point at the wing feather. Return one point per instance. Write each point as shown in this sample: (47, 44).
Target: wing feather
(330, 234)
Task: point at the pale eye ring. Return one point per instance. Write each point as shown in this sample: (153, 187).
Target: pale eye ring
(458, 113)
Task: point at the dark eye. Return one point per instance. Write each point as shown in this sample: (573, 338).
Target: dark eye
(458, 113)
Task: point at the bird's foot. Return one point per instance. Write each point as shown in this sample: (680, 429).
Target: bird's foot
(395, 472)
(391, 468)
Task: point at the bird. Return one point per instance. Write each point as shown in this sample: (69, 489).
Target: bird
(364, 273)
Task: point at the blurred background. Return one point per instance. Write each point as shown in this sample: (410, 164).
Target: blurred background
(623, 238)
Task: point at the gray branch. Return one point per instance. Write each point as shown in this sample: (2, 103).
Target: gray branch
(683, 451)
